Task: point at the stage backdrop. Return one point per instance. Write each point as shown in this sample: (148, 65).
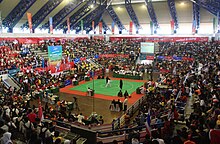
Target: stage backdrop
(55, 55)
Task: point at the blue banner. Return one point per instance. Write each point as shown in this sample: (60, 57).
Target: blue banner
(96, 56)
(177, 58)
(55, 54)
(160, 57)
(67, 82)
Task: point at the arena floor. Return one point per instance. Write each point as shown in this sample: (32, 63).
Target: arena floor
(100, 102)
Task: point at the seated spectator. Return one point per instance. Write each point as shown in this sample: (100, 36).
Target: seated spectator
(120, 94)
(126, 94)
(56, 136)
(80, 118)
(101, 120)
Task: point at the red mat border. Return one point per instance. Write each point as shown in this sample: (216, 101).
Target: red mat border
(132, 100)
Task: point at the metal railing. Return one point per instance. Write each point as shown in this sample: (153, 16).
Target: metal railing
(119, 122)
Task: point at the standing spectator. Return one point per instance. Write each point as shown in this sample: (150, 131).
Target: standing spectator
(31, 116)
(125, 104)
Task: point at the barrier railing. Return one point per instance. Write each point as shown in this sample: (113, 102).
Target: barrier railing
(119, 122)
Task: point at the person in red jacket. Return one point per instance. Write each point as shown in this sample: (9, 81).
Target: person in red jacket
(31, 116)
(214, 134)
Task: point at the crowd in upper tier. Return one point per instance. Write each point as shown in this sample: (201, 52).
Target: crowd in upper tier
(186, 83)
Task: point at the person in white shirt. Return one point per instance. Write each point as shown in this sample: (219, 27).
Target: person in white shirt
(80, 118)
(108, 83)
(89, 91)
(125, 104)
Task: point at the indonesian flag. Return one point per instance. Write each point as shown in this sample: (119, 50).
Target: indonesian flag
(40, 111)
(147, 123)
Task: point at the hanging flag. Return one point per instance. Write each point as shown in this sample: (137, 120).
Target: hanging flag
(113, 27)
(147, 123)
(151, 28)
(217, 23)
(100, 27)
(29, 17)
(130, 28)
(194, 27)
(93, 27)
(82, 26)
(213, 23)
(68, 25)
(172, 26)
(51, 25)
(0, 22)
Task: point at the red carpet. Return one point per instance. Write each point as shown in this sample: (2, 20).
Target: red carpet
(132, 100)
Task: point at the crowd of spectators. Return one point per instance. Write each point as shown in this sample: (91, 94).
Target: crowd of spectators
(194, 80)
(197, 82)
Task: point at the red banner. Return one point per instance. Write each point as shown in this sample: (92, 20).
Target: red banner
(160, 39)
(68, 25)
(100, 27)
(29, 17)
(150, 58)
(113, 55)
(130, 28)
(187, 59)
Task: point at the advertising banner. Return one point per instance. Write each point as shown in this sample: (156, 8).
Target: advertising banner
(161, 39)
(113, 55)
(147, 47)
(29, 17)
(55, 55)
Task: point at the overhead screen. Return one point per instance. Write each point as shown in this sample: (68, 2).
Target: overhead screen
(147, 48)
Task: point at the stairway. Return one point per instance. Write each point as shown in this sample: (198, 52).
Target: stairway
(11, 83)
(39, 52)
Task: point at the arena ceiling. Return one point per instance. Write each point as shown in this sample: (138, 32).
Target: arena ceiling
(14, 17)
